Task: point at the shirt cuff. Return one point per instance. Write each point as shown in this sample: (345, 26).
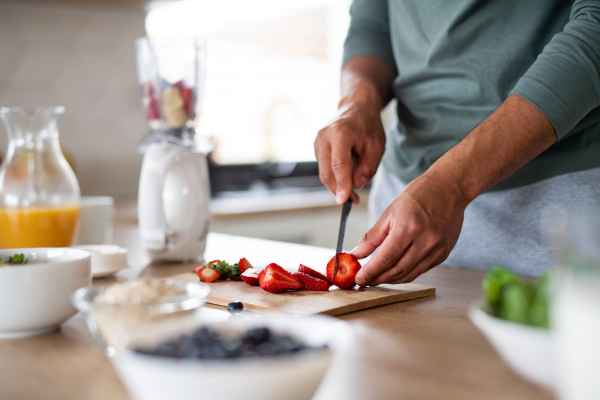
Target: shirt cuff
(368, 44)
(548, 102)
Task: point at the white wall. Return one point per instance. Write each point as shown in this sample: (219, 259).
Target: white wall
(83, 59)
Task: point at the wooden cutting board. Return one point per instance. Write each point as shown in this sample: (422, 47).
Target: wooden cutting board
(303, 302)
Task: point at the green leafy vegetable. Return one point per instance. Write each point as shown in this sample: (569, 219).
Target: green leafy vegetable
(13, 260)
(226, 270)
(512, 299)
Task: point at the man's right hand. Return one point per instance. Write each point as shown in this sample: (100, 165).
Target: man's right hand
(366, 89)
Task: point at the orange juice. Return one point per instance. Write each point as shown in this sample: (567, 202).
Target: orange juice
(38, 227)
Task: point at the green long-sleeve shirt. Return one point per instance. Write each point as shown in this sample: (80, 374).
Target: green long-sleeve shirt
(457, 60)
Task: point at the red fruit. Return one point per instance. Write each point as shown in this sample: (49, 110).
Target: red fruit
(198, 268)
(348, 268)
(310, 282)
(244, 264)
(251, 276)
(309, 271)
(153, 109)
(148, 89)
(178, 85)
(208, 274)
(213, 262)
(275, 279)
(186, 95)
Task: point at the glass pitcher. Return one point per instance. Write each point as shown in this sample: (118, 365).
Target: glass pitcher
(39, 193)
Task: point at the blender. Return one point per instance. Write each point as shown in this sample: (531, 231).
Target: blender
(174, 190)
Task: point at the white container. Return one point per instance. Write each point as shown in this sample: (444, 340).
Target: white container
(95, 220)
(526, 349)
(289, 377)
(576, 315)
(35, 296)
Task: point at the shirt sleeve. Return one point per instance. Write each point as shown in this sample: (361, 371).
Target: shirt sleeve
(564, 81)
(369, 32)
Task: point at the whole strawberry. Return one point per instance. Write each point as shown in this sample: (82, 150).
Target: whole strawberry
(346, 275)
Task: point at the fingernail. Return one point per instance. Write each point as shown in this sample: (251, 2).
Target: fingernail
(339, 197)
(353, 250)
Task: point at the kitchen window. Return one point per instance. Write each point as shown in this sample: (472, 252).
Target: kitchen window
(272, 81)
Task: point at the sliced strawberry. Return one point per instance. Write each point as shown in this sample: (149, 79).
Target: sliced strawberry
(148, 89)
(208, 274)
(153, 109)
(197, 269)
(251, 276)
(348, 268)
(179, 85)
(244, 264)
(186, 95)
(213, 262)
(309, 271)
(275, 279)
(310, 282)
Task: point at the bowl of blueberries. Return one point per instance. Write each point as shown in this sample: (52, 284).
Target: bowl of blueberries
(248, 356)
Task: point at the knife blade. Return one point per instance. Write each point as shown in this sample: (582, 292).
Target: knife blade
(340, 242)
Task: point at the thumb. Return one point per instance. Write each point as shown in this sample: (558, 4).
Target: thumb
(372, 239)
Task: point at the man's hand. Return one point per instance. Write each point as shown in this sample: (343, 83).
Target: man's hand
(416, 232)
(420, 228)
(366, 89)
(357, 130)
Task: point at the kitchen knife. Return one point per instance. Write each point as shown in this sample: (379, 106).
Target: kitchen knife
(342, 232)
(340, 242)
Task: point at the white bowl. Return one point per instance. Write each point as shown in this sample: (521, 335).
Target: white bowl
(526, 349)
(110, 322)
(34, 297)
(290, 377)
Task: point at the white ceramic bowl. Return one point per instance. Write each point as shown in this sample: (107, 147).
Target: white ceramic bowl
(110, 322)
(526, 349)
(290, 377)
(34, 297)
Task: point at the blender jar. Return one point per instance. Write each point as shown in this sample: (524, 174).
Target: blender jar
(39, 193)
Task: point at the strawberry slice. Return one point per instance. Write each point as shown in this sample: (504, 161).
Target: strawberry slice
(208, 274)
(251, 276)
(153, 109)
(310, 282)
(275, 279)
(213, 262)
(244, 264)
(197, 269)
(349, 267)
(186, 95)
(309, 271)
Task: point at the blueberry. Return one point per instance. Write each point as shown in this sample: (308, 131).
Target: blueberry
(258, 335)
(235, 307)
(266, 349)
(166, 349)
(285, 344)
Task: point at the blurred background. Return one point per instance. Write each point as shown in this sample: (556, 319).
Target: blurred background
(272, 81)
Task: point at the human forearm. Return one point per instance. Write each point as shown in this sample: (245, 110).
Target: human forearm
(510, 137)
(366, 82)
(420, 228)
(357, 128)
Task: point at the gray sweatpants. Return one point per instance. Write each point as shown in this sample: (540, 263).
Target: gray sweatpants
(506, 227)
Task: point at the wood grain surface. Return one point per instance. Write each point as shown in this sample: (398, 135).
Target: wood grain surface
(425, 348)
(304, 302)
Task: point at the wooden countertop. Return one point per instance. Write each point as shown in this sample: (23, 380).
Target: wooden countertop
(419, 349)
